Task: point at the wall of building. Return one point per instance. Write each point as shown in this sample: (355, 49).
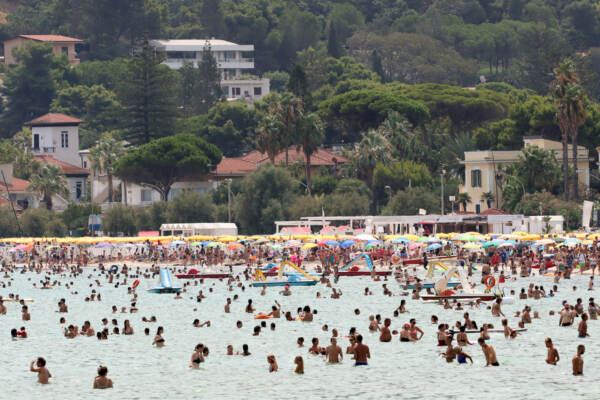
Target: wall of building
(11, 44)
(52, 144)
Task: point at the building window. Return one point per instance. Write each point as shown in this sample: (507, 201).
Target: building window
(225, 91)
(84, 164)
(78, 190)
(229, 55)
(229, 73)
(36, 142)
(258, 91)
(146, 195)
(477, 208)
(235, 91)
(64, 139)
(476, 178)
(65, 50)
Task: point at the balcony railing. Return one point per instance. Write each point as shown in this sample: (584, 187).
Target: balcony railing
(44, 149)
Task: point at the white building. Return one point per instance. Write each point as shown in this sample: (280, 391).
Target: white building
(235, 61)
(55, 140)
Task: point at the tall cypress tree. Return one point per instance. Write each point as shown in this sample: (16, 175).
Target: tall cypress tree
(149, 97)
(334, 47)
(208, 89)
(298, 85)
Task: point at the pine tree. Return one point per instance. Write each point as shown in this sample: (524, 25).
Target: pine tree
(334, 47)
(212, 18)
(208, 88)
(188, 81)
(148, 96)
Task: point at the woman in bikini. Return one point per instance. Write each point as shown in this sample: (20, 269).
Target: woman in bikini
(197, 356)
(159, 341)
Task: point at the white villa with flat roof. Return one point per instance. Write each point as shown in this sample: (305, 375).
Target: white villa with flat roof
(235, 61)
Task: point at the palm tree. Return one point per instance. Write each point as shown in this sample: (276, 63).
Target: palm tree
(570, 114)
(372, 149)
(279, 129)
(49, 182)
(488, 197)
(464, 199)
(312, 134)
(104, 157)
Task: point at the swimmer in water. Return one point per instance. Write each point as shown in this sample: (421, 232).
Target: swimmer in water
(273, 367)
(553, 357)
(159, 341)
(578, 361)
(299, 361)
(102, 381)
(488, 352)
(361, 352)
(43, 374)
(198, 356)
(333, 352)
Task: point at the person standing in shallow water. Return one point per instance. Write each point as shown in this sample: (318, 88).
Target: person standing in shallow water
(361, 352)
(102, 381)
(578, 361)
(43, 374)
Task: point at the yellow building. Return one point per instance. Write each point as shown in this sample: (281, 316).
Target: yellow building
(481, 169)
(60, 45)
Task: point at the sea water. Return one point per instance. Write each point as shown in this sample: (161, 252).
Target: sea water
(395, 370)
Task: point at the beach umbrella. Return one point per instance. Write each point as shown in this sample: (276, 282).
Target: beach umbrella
(432, 240)
(401, 240)
(292, 243)
(491, 243)
(347, 243)
(414, 246)
(332, 243)
(544, 242)
(507, 244)
(472, 246)
(234, 246)
(176, 243)
(375, 242)
(372, 244)
(214, 244)
(309, 246)
(104, 244)
(434, 246)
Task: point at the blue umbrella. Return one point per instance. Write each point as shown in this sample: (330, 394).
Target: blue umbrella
(104, 244)
(347, 243)
(332, 243)
(432, 240)
(401, 240)
(434, 246)
(176, 243)
(374, 242)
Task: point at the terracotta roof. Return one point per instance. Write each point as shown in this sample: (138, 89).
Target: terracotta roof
(17, 186)
(65, 168)
(54, 119)
(52, 38)
(234, 166)
(493, 211)
(320, 157)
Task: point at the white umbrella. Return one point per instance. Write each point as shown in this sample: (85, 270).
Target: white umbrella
(365, 237)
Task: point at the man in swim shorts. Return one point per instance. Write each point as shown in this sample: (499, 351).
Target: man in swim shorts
(489, 353)
(361, 352)
(333, 352)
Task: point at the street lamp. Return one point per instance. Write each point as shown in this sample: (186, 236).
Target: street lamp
(228, 180)
(442, 176)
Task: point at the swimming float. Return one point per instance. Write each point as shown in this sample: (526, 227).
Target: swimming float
(262, 316)
(135, 283)
(113, 269)
(489, 281)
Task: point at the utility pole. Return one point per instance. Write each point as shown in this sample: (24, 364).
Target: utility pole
(442, 175)
(228, 200)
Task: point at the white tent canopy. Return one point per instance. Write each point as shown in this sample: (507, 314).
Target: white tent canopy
(206, 228)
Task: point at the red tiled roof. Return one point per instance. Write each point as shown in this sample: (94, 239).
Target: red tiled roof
(17, 186)
(318, 158)
(234, 166)
(54, 119)
(52, 38)
(493, 211)
(65, 168)
(241, 166)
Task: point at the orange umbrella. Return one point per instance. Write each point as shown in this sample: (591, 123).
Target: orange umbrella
(234, 246)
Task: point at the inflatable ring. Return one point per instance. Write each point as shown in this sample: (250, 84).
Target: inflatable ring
(113, 269)
(262, 316)
(489, 281)
(135, 283)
